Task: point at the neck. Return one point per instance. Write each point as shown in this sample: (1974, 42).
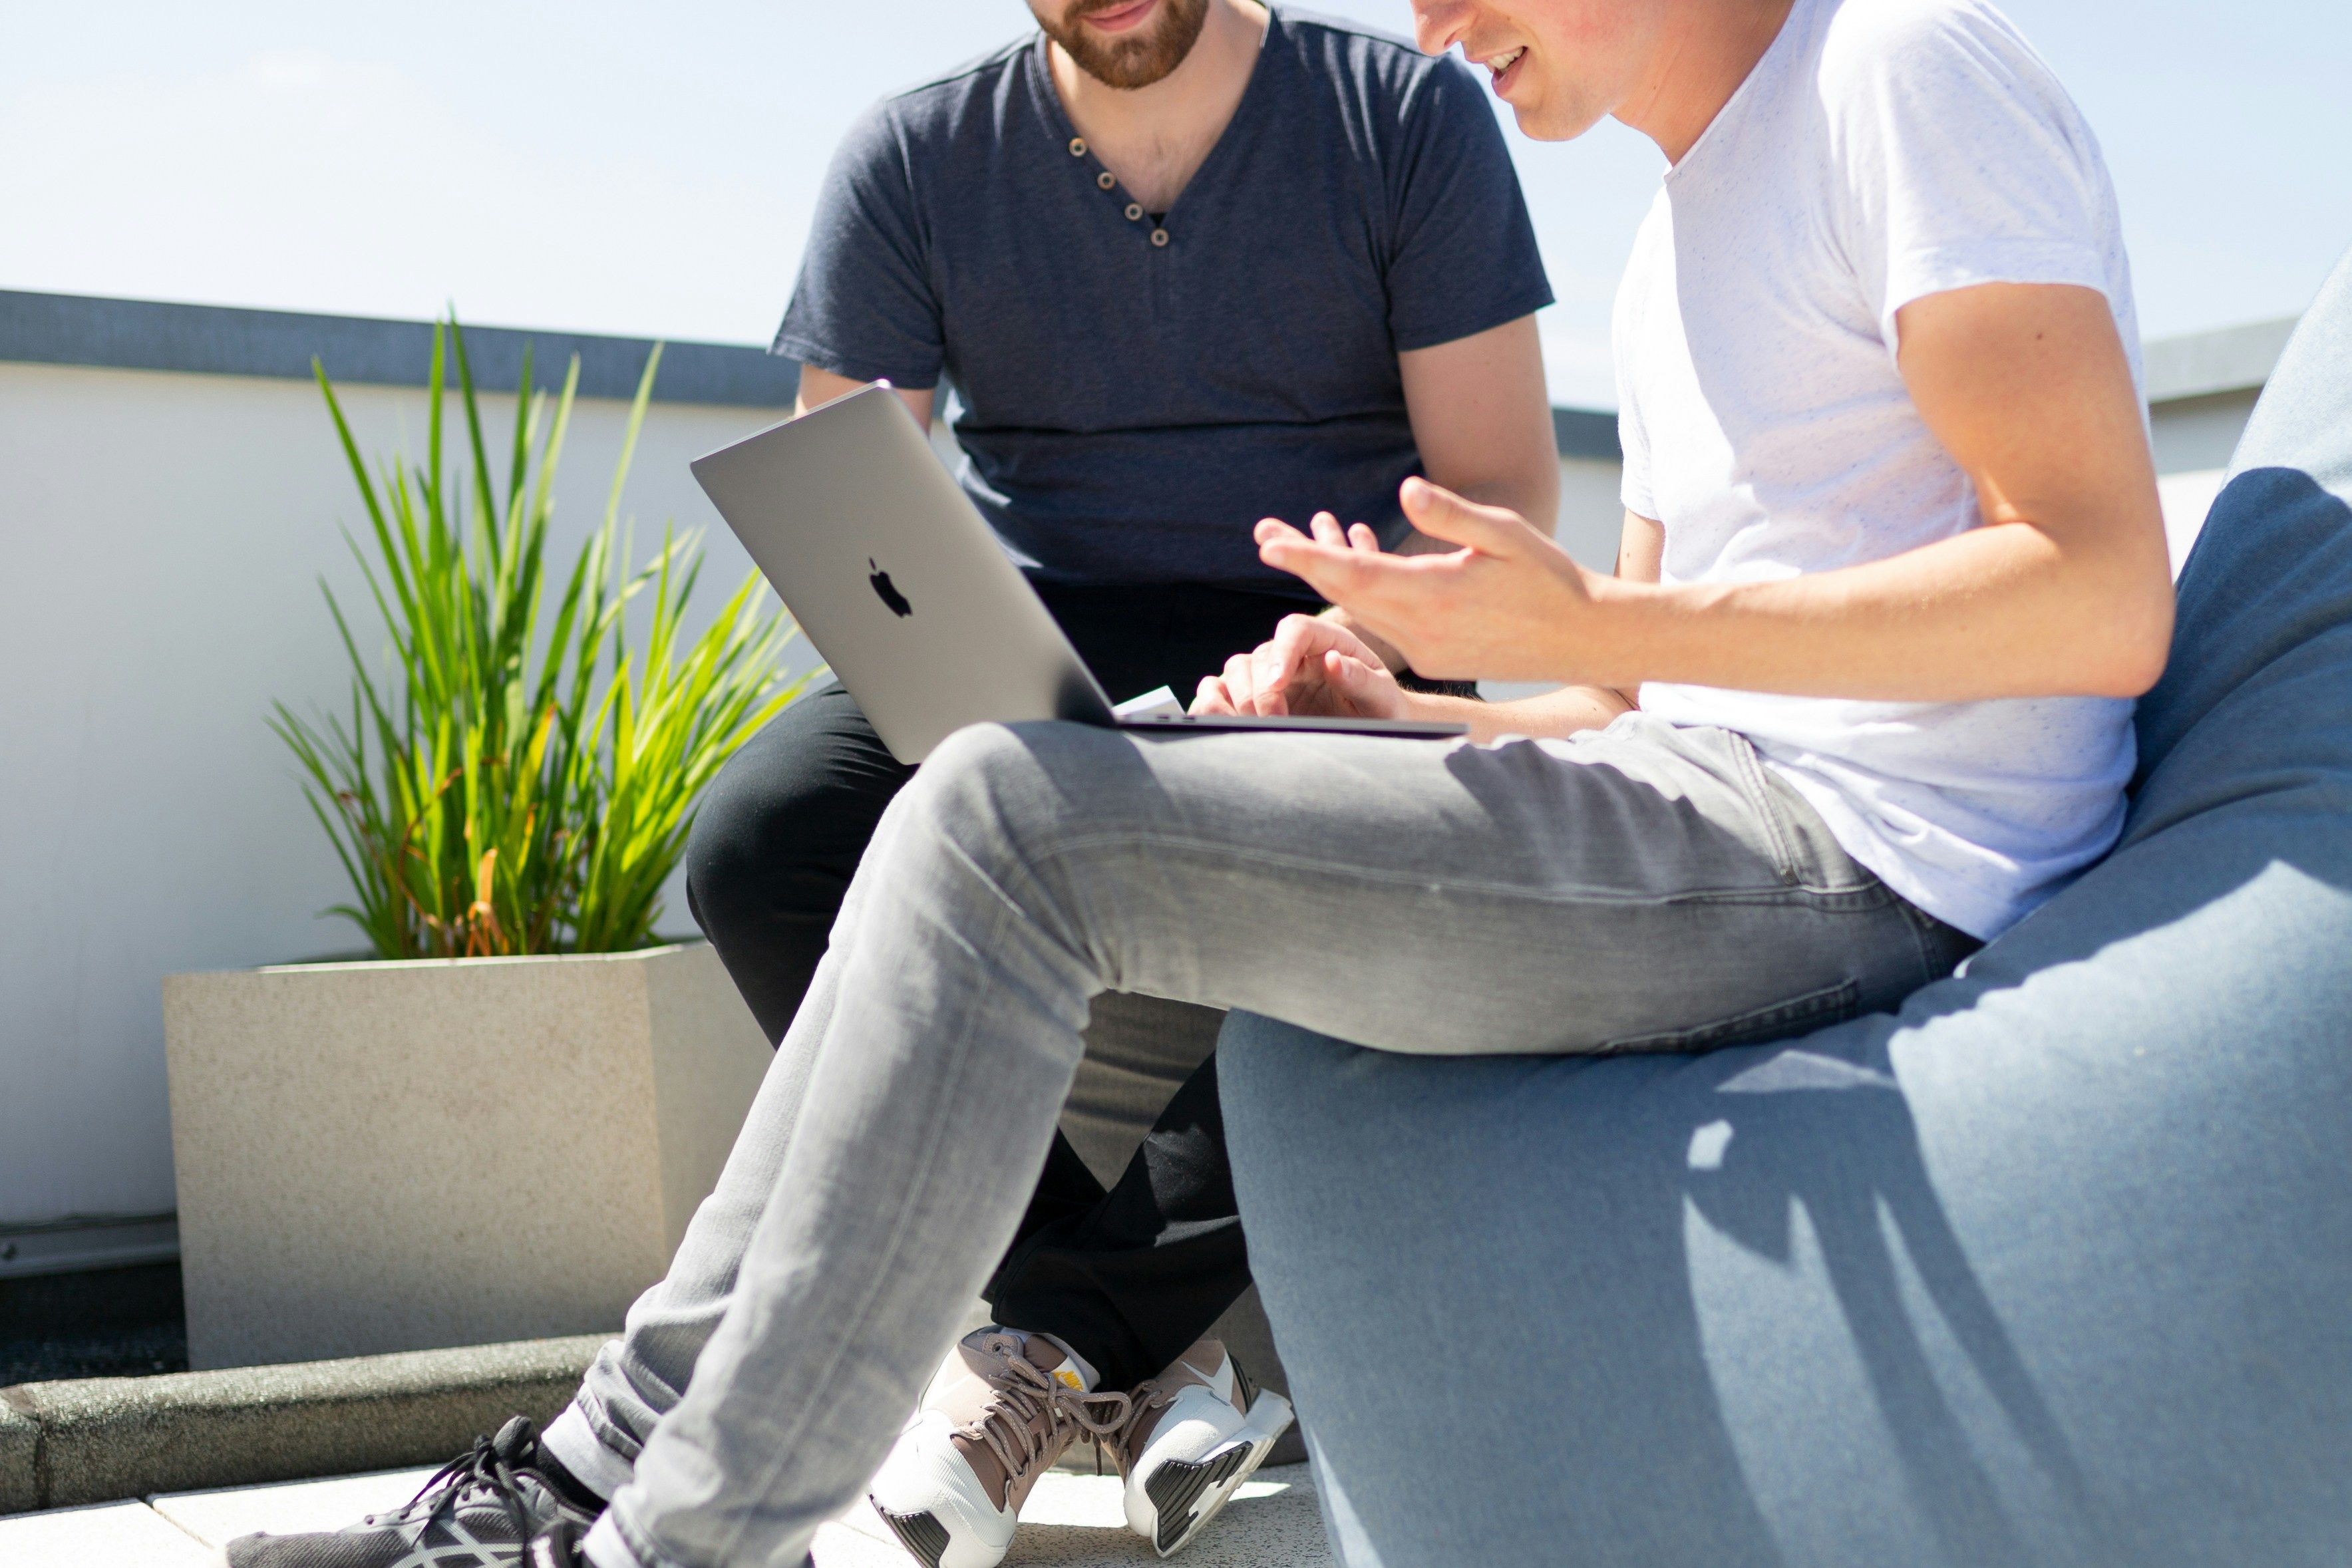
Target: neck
(1212, 76)
(1705, 50)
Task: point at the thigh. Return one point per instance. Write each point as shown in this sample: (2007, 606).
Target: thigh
(807, 789)
(1643, 888)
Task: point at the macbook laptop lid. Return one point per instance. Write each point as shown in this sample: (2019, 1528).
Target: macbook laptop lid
(903, 589)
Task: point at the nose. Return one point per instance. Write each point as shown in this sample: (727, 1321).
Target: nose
(1438, 24)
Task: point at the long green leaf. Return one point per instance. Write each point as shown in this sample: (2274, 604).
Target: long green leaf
(512, 783)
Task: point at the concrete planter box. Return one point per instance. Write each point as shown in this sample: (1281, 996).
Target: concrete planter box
(393, 1157)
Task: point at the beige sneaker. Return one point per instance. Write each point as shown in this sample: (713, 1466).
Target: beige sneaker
(1003, 1406)
(1195, 1433)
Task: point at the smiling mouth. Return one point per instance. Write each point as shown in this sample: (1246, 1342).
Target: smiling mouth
(1502, 65)
(1120, 19)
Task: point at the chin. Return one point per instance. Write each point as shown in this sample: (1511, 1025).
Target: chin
(1546, 118)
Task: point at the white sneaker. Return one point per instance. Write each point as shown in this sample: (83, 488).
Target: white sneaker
(1197, 1432)
(1002, 1407)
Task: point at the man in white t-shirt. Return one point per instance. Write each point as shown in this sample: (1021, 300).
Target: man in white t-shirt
(1894, 569)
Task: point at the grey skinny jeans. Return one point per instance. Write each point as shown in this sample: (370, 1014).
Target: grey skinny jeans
(1639, 888)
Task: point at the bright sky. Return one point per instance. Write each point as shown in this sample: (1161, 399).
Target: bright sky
(650, 170)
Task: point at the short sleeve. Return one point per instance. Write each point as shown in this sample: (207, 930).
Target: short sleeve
(1964, 161)
(1633, 485)
(864, 307)
(1462, 255)
(1629, 344)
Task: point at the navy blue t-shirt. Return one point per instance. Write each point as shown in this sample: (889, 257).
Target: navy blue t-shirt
(1133, 393)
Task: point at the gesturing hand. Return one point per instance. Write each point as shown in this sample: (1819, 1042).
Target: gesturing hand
(1308, 666)
(1509, 604)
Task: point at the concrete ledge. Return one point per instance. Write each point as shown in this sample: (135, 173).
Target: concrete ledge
(20, 1456)
(104, 1438)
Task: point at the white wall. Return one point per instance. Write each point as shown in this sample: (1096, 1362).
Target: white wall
(162, 534)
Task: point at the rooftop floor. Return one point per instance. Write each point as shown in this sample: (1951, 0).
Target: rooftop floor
(1072, 1520)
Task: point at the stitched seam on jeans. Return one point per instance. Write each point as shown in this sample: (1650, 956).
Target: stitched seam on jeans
(1762, 801)
(1830, 1004)
(1144, 839)
(957, 1061)
(1847, 900)
(1918, 929)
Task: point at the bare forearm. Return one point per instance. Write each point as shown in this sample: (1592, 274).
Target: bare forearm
(821, 387)
(1533, 492)
(2001, 611)
(1554, 714)
(1482, 420)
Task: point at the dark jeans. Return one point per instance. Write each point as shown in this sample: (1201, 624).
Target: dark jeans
(1128, 1276)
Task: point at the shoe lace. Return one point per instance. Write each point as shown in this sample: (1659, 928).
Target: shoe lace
(1148, 1397)
(482, 1470)
(1023, 1393)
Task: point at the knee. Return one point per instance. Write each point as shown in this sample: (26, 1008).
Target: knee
(733, 837)
(1009, 800)
(983, 791)
(781, 828)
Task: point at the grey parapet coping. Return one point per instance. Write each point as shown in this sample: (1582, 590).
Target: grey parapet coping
(2208, 364)
(230, 341)
(78, 1245)
(1586, 432)
(217, 340)
(104, 1439)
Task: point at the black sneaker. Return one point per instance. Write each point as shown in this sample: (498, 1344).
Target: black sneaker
(502, 1506)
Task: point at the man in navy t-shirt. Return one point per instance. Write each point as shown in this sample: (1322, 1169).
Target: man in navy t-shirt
(1184, 264)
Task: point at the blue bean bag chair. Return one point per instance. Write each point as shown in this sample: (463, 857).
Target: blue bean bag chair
(2054, 1267)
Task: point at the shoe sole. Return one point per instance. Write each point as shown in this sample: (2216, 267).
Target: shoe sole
(1195, 1491)
(920, 1533)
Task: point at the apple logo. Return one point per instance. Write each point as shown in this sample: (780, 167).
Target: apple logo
(888, 593)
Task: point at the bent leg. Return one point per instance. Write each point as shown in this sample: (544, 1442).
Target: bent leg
(776, 839)
(1643, 889)
(775, 842)
(776, 846)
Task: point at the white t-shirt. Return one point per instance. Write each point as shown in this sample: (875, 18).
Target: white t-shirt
(1882, 150)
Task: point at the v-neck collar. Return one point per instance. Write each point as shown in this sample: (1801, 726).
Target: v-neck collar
(1796, 25)
(1040, 76)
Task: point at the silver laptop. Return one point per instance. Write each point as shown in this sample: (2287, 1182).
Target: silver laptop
(903, 589)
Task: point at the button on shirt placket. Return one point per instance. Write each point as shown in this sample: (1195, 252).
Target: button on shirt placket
(1107, 181)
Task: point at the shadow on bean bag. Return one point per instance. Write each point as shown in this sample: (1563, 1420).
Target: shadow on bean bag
(2054, 1267)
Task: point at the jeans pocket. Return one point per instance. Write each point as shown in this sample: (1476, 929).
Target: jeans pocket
(1798, 1015)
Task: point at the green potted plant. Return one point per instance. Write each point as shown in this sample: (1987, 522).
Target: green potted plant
(496, 1123)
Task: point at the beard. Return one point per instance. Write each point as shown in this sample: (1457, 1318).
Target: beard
(1136, 59)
